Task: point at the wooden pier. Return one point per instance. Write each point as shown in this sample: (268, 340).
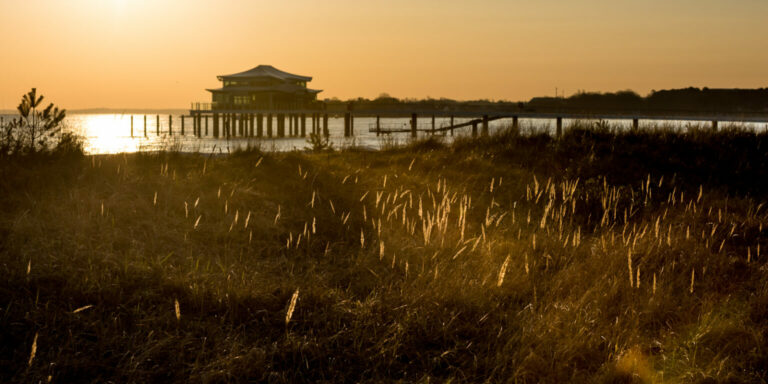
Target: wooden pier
(299, 123)
(479, 121)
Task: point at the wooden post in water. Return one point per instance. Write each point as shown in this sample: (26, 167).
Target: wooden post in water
(485, 125)
(351, 124)
(326, 131)
(378, 126)
(259, 125)
(474, 128)
(280, 125)
(433, 125)
(451, 125)
(145, 125)
(251, 117)
(635, 124)
(199, 133)
(414, 125)
(559, 123)
(515, 125)
(215, 126)
(157, 126)
(346, 124)
(303, 120)
(182, 125)
(269, 125)
(1, 123)
(314, 126)
(170, 125)
(714, 125)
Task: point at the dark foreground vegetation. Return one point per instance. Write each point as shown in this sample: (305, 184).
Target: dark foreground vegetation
(598, 257)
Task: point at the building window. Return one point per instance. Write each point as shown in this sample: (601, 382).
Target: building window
(241, 99)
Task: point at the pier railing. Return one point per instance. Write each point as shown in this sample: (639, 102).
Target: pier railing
(214, 106)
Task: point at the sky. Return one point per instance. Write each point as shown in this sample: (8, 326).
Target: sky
(165, 53)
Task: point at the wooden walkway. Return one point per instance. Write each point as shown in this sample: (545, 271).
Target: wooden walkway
(259, 122)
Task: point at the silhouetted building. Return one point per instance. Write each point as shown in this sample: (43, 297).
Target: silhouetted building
(263, 87)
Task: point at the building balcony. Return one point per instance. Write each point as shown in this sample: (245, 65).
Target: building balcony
(266, 107)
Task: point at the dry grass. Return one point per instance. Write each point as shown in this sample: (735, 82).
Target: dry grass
(483, 261)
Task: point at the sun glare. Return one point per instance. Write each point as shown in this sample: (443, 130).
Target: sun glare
(106, 133)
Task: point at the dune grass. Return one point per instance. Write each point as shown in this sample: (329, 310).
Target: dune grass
(598, 257)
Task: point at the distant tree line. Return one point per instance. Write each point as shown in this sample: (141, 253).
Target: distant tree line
(686, 100)
(694, 100)
(385, 102)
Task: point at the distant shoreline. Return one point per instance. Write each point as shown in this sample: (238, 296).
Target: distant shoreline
(97, 111)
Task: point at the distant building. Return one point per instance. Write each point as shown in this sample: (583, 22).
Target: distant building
(263, 87)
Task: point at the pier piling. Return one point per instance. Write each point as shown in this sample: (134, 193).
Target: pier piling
(559, 123)
(414, 125)
(346, 124)
(215, 125)
(433, 125)
(515, 125)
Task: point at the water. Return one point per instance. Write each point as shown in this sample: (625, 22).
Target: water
(111, 133)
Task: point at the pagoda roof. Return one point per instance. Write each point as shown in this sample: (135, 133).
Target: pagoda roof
(266, 71)
(284, 88)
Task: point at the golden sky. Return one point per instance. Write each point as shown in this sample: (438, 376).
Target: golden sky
(164, 53)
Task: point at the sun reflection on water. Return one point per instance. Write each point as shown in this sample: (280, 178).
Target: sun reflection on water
(105, 133)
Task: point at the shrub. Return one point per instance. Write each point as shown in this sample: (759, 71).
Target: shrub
(319, 142)
(33, 130)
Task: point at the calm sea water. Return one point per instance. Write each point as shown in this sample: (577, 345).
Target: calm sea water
(111, 133)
